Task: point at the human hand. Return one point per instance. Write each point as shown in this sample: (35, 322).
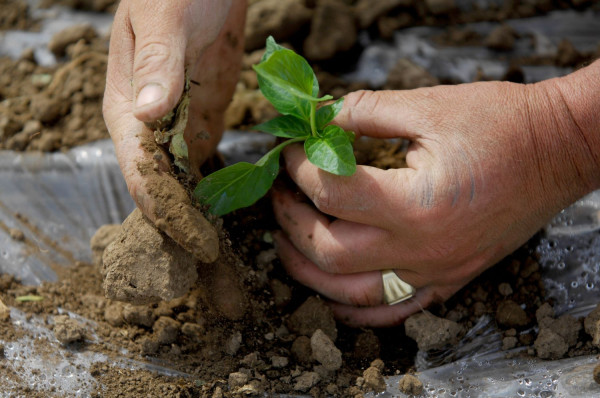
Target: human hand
(489, 164)
(152, 44)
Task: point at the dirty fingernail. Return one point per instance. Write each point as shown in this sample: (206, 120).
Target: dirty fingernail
(149, 94)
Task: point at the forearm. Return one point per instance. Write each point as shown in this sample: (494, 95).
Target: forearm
(570, 127)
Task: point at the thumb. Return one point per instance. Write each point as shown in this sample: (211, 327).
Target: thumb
(378, 114)
(160, 33)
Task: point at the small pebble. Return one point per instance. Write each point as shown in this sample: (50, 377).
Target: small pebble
(17, 234)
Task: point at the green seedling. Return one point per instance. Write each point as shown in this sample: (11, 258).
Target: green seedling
(289, 83)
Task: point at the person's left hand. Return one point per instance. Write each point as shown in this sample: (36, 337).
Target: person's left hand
(484, 174)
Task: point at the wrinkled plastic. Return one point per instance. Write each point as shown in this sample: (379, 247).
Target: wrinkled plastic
(536, 36)
(58, 201)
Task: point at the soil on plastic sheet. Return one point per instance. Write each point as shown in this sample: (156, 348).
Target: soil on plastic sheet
(244, 327)
(286, 340)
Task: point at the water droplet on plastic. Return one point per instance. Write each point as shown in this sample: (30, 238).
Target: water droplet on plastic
(521, 393)
(67, 371)
(574, 284)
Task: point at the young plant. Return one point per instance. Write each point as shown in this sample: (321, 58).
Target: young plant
(289, 83)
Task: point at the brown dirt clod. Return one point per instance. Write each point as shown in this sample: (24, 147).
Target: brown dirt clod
(313, 314)
(510, 314)
(143, 265)
(68, 330)
(431, 332)
(324, 351)
(410, 385)
(550, 345)
(373, 380)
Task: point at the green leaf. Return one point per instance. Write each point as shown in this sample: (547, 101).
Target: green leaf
(30, 297)
(327, 113)
(236, 186)
(271, 47)
(288, 82)
(240, 185)
(285, 126)
(351, 136)
(332, 151)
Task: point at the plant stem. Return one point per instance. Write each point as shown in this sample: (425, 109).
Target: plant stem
(313, 123)
(278, 148)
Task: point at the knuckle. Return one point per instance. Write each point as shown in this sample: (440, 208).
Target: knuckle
(329, 263)
(358, 297)
(325, 198)
(362, 102)
(441, 252)
(333, 259)
(365, 99)
(151, 55)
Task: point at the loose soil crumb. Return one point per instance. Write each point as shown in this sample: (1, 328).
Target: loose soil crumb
(550, 345)
(431, 332)
(511, 315)
(410, 385)
(4, 312)
(311, 316)
(325, 352)
(71, 35)
(17, 234)
(67, 330)
(373, 380)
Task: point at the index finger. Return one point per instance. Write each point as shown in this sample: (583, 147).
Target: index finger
(379, 114)
(370, 196)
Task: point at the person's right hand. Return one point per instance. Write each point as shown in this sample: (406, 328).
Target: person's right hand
(152, 43)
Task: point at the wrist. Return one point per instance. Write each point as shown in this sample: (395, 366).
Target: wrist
(567, 128)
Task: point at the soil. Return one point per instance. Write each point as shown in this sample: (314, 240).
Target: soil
(240, 325)
(48, 109)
